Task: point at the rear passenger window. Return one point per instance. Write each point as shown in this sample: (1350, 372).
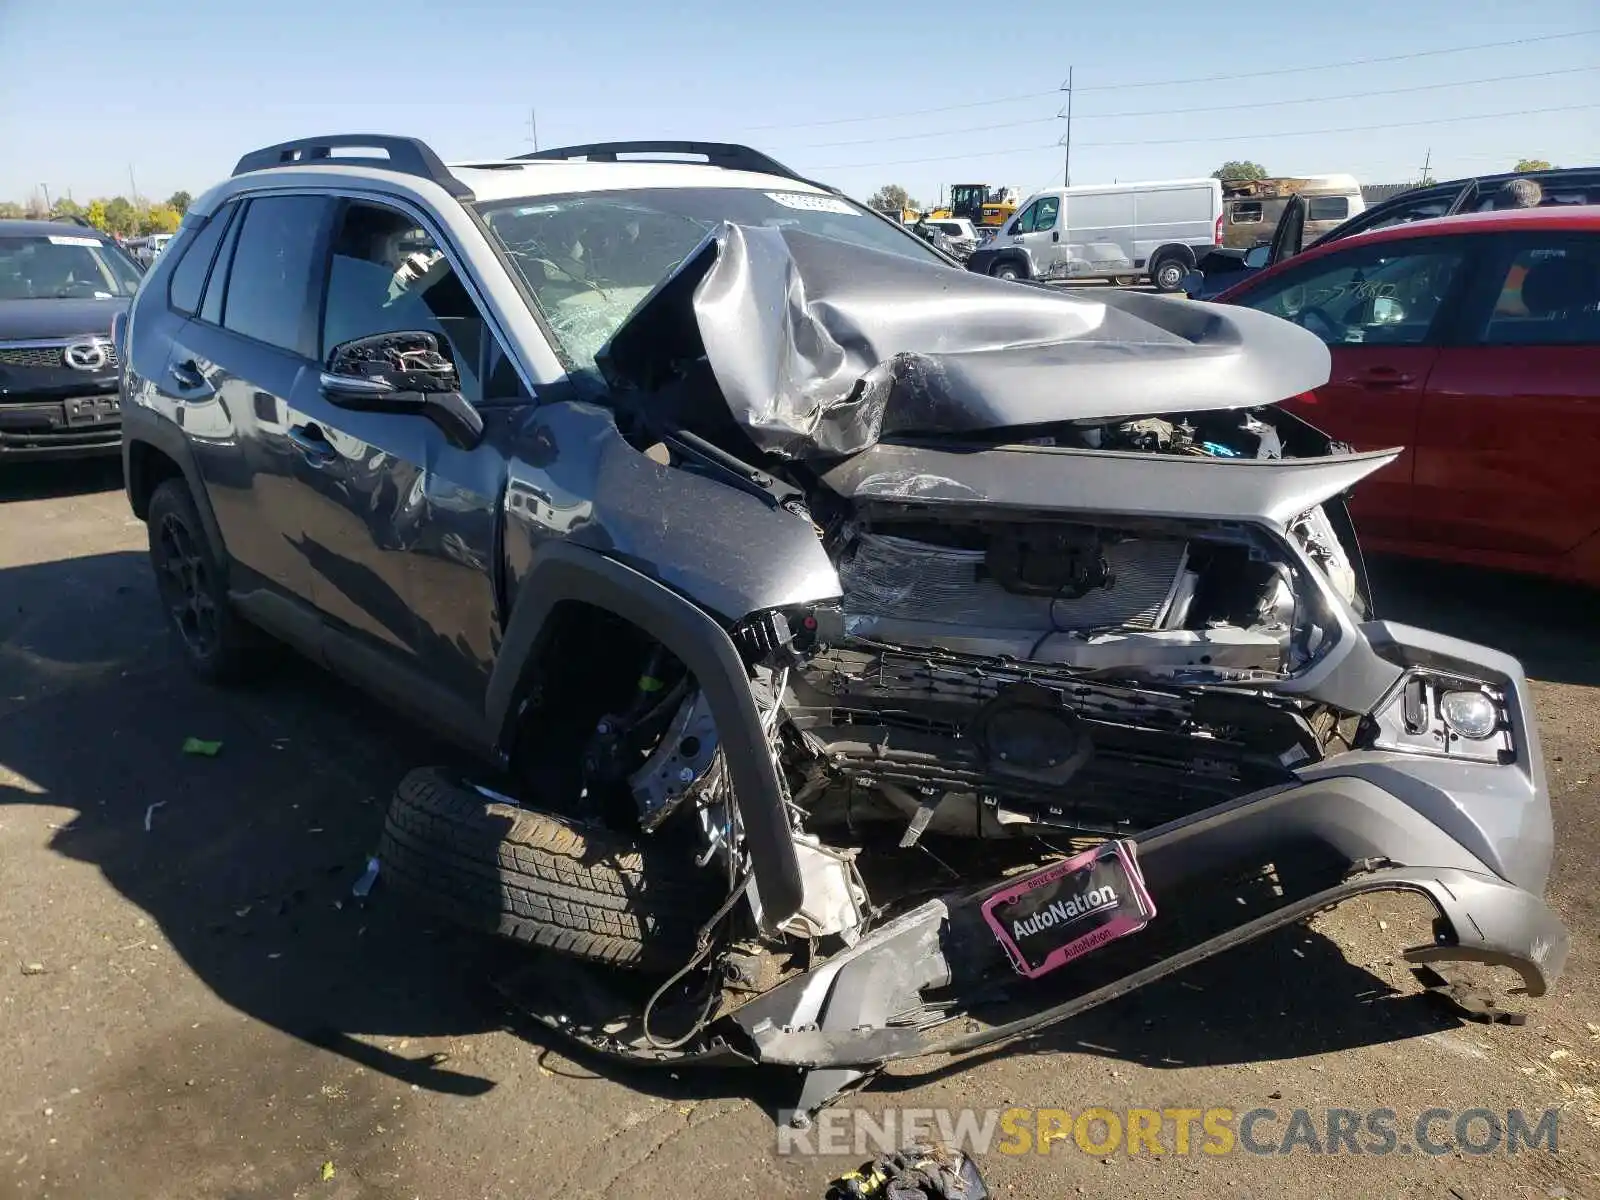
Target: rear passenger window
(189, 276)
(217, 288)
(269, 282)
(1549, 296)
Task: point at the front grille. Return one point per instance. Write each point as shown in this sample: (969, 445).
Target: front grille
(45, 356)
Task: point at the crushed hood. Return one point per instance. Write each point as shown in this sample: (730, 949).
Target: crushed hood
(820, 348)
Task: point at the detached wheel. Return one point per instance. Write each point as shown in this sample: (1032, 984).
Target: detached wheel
(1168, 275)
(216, 643)
(542, 880)
(1007, 270)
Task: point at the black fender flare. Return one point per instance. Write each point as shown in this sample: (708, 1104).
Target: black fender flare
(562, 572)
(144, 427)
(1179, 250)
(1018, 255)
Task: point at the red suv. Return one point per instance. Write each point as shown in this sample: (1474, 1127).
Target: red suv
(1474, 342)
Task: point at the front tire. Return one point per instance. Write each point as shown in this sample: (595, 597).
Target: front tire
(214, 640)
(1168, 275)
(542, 880)
(1008, 269)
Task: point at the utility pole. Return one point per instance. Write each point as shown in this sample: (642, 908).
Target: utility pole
(133, 187)
(533, 126)
(1067, 166)
(48, 207)
(1427, 160)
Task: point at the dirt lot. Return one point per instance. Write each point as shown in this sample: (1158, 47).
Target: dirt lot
(193, 1005)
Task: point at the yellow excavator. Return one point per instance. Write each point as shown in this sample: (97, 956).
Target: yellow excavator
(986, 207)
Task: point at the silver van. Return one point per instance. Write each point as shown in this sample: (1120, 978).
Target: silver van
(1123, 231)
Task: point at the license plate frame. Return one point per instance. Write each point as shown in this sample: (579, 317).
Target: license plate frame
(1069, 899)
(89, 410)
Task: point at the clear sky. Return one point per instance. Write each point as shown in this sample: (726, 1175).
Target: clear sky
(178, 89)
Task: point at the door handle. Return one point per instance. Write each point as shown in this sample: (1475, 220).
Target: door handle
(313, 444)
(187, 375)
(1385, 377)
(1056, 236)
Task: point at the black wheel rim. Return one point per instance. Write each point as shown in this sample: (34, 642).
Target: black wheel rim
(185, 584)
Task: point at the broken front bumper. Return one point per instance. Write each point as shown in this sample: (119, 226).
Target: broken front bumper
(889, 996)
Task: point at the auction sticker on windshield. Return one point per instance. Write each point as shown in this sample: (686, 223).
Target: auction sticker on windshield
(1069, 908)
(806, 202)
(57, 240)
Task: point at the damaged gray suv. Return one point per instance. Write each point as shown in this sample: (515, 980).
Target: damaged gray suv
(866, 659)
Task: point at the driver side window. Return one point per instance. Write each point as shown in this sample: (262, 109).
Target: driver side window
(1038, 217)
(386, 275)
(1373, 296)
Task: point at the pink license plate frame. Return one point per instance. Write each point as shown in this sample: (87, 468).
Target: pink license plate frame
(1075, 906)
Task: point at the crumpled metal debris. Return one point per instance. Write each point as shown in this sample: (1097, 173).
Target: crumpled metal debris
(820, 347)
(914, 1173)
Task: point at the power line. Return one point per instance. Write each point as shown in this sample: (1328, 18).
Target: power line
(1239, 137)
(915, 112)
(1350, 62)
(1278, 102)
(1526, 112)
(1164, 112)
(1354, 62)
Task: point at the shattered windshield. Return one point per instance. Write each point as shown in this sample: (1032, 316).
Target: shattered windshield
(591, 259)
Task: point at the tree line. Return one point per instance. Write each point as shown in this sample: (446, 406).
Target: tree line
(116, 215)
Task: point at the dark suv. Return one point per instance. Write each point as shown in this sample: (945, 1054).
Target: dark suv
(61, 286)
(755, 548)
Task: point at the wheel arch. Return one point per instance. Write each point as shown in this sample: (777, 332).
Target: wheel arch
(1014, 254)
(154, 450)
(564, 574)
(1180, 250)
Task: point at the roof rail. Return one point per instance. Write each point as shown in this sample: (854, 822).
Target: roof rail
(409, 156)
(727, 155)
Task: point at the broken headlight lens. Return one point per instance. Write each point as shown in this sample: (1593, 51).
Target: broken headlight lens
(1469, 714)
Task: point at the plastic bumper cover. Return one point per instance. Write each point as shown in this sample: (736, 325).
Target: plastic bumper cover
(866, 1006)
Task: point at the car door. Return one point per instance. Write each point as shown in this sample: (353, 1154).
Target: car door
(402, 543)
(1288, 237)
(236, 364)
(1036, 230)
(1381, 308)
(1511, 419)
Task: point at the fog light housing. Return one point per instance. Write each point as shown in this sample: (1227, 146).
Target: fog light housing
(1469, 714)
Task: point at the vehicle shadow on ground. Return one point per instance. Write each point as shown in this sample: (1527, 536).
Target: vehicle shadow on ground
(1551, 627)
(246, 860)
(49, 481)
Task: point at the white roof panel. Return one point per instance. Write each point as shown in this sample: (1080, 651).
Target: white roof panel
(547, 177)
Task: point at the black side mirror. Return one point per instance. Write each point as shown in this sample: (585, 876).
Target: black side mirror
(401, 373)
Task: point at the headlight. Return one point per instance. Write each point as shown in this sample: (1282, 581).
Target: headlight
(1445, 715)
(1469, 714)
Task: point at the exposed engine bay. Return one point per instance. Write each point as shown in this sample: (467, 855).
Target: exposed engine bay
(1011, 673)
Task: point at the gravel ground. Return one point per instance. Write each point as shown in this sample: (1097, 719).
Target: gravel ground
(193, 1005)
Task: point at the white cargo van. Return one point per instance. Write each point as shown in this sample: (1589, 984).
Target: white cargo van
(1120, 231)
